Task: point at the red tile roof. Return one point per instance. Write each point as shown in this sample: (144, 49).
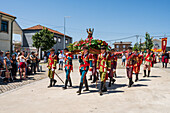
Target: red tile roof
(39, 27)
(7, 14)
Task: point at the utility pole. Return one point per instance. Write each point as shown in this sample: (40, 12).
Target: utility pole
(140, 45)
(137, 36)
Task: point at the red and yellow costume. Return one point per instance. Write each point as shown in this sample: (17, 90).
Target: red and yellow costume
(52, 61)
(136, 67)
(104, 65)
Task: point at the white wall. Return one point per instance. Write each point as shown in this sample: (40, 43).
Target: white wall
(5, 37)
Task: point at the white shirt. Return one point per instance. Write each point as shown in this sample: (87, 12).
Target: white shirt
(61, 57)
(21, 59)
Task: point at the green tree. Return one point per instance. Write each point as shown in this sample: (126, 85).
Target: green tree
(139, 47)
(43, 39)
(148, 42)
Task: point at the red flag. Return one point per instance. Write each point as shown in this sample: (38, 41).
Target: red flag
(164, 43)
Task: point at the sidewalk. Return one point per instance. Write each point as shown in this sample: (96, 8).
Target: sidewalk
(149, 95)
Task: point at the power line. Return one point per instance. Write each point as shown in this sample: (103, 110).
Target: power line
(122, 38)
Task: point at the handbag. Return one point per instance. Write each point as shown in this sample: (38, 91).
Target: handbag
(7, 74)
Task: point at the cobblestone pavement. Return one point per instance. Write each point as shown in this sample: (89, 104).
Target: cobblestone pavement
(18, 83)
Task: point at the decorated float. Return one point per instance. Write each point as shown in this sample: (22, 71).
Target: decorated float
(93, 44)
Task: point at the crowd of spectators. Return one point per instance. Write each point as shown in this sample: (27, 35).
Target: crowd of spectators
(19, 63)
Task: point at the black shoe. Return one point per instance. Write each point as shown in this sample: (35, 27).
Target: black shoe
(50, 83)
(144, 73)
(80, 87)
(90, 77)
(130, 82)
(109, 84)
(70, 82)
(86, 85)
(100, 92)
(136, 78)
(113, 81)
(65, 87)
(94, 80)
(148, 73)
(115, 75)
(54, 82)
(104, 90)
(101, 87)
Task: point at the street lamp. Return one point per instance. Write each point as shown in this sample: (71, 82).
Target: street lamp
(65, 29)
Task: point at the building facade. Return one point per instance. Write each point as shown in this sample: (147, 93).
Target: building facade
(58, 37)
(122, 46)
(8, 27)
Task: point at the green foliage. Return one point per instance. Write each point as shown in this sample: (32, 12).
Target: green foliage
(43, 39)
(148, 42)
(138, 47)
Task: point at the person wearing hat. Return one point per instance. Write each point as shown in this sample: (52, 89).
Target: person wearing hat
(52, 61)
(113, 59)
(85, 65)
(136, 66)
(103, 67)
(129, 65)
(68, 67)
(147, 62)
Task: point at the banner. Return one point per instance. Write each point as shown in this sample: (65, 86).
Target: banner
(164, 43)
(157, 45)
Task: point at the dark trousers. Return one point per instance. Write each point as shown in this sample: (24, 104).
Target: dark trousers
(33, 67)
(164, 65)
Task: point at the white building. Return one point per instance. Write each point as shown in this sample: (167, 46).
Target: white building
(8, 27)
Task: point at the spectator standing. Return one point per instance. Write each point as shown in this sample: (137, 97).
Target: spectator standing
(22, 65)
(37, 62)
(1, 61)
(14, 66)
(123, 58)
(33, 62)
(28, 65)
(61, 59)
(7, 67)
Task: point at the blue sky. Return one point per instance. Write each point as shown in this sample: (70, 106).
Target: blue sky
(111, 19)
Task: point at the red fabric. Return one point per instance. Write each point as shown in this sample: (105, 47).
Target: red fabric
(147, 59)
(130, 65)
(22, 64)
(164, 43)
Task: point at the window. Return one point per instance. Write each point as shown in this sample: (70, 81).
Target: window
(117, 46)
(55, 39)
(66, 41)
(59, 39)
(4, 26)
(124, 46)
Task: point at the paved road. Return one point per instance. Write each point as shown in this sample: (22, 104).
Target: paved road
(149, 95)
